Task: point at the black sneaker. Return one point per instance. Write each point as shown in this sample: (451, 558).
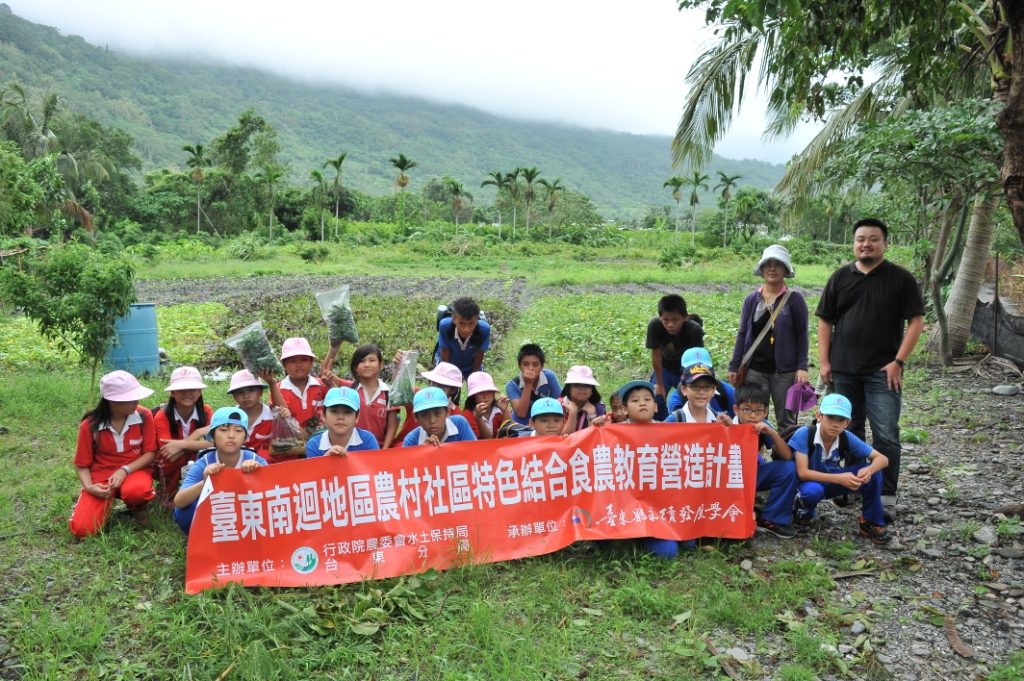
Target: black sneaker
(842, 501)
(801, 522)
(782, 531)
(876, 533)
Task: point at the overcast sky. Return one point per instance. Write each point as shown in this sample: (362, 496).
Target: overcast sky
(596, 63)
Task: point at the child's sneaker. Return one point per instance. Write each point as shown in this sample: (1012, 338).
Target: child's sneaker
(876, 533)
(781, 531)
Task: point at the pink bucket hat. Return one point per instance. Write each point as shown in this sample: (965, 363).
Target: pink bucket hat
(580, 375)
(120, 386)
(244, 379)
(444, 374)
(480, 382)
(296, 347)
(185, 378)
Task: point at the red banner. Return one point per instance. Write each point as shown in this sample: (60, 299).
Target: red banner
(371, 515)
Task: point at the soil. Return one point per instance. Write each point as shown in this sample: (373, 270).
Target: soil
(953, 576)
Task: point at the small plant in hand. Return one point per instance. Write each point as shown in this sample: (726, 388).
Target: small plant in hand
(254, 350)
(341, 325)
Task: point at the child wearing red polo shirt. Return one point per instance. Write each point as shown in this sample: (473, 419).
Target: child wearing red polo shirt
(247, 391)
(175, 424)
(115, 454)
(486, 408)
(374, 413)
(300, 392)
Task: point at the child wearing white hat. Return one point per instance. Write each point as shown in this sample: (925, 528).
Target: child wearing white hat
(177, 422)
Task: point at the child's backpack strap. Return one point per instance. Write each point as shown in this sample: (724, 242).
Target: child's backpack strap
(812, 430)
(679, 415)
(844, 447)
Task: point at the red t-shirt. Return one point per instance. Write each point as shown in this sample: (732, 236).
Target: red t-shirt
(165, 432)
(373, 409)
(304, 405)
(104, 451)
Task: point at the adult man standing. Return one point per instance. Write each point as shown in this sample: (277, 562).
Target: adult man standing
(870, 317)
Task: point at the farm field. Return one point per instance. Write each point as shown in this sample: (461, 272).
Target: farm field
(827, 606)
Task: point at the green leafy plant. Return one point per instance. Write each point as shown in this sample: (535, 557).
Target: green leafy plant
(248, 247)
(314, 253)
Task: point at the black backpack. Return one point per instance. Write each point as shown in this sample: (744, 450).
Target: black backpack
(812, 431)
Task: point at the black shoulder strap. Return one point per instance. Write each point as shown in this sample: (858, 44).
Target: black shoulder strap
(812, 430)
(844, 447)
(679, 415)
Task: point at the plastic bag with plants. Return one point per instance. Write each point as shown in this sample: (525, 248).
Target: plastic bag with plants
(254, 349)
(287, 437)
(404, 384)
(337, 313)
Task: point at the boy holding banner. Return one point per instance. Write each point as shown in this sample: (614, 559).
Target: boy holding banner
(430, 408)
(341, 411)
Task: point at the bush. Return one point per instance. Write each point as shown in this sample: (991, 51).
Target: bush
(313, 253)
(677, 255)
(248, 246)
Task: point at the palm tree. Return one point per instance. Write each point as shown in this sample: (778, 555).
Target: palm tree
(551, 191)
(270, 175)
(726, 183)
(336, 164)
(499, 181)
(402, 163)
(676, 183)
(319, 191)
(696, 183)
(458, 195)
(513, 187)
(530, 176)
(197, 161)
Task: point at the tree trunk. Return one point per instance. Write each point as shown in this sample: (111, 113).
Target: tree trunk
(964, 296)
(199, 211)
(1010, 119)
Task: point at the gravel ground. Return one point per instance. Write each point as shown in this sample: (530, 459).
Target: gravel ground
(951, 579)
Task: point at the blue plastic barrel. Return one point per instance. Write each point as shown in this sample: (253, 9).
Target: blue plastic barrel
(135, 349)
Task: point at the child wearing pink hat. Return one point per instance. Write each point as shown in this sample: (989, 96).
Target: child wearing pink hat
(247, 391)
(177, 423)
(115, 454)
(581, 401)
(486, 408)
(300, 393)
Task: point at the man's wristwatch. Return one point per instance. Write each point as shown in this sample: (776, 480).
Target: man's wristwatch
(126, 469)
(900, 363)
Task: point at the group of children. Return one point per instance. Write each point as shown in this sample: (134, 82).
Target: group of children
(124, 448)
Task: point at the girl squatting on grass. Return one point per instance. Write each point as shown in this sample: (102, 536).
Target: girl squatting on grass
(177, 423)
(115, 454)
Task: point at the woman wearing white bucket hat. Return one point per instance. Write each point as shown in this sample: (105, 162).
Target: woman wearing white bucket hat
(771, 341)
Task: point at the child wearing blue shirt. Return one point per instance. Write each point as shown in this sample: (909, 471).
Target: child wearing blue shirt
(341, 411)
(724, 398)
(698, 386)
(824, 473)
(463, 338)
(533, 383)
(430, 407)
(778, 475)
(229, 428)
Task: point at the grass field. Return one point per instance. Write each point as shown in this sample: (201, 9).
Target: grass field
(113, 607)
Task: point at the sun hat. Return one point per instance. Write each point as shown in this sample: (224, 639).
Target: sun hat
(697, 372)
(120, 386)
(296, 347)
(697, 355)
(800, 397)
(185, 378)
(244, 379)
(775, 252)
(444, 374)
(429, 398)
(835, 404)
(346, 397)
(581, 375)
(546, 405)
(228, 416)
(634, 385)
(480, 382)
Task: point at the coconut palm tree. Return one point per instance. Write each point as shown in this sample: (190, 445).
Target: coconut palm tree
(270, 175)
(458, 194)
(319, 191)
(197, 161)
(726, 183)
(551, 191)
(336, 164)
(402, 163)
(696, 183)
(500, 182)
(676, 183)
(513, 187)
(529, 175)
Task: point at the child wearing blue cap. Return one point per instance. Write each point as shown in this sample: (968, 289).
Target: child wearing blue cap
(831, 461)
(698, 385)
(430, 408)
(547, 417)
(341, 411)
(724, 398)
(229, 429)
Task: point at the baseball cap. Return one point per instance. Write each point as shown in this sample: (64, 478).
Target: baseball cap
(697, 355)
(228, 416)
(244, 379)
(121, 386)
(546, 405)
(835, 404)
(634, 385)
(185, 378)
(296, 347)
(696, 372)
(346, 397)
(444, 374)
(429, 398)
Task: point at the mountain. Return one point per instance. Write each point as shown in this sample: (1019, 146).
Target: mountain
(167, 103)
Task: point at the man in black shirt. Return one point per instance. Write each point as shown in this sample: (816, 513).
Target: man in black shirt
(870, 317)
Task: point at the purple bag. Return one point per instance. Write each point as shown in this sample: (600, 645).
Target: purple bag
(800, 397)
